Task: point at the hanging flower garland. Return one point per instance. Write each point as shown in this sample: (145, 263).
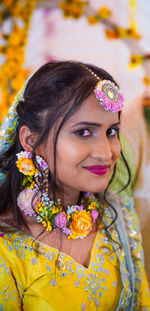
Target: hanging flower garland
(132, 14)
(112, 31)
(76, 9)
(73, 8)
(136, 59)
(14, 21)
(121, 33)
(101, 14)
(146, 81)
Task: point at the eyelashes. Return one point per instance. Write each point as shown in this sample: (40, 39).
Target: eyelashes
(112, 131)
(84, 132)
(87, 132)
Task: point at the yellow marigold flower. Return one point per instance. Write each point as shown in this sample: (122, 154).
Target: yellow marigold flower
(8, 2)
(44, 223)
(39, 208)
(10, 53)
(92, 205)
(104, 12)
(133, 34)
(73, 8)
(49, 227)
(16, 9)
(47, 224)
(81, 224)
(55, 209)
(111, 34)
(26, 166)
(146, 80)
(92, 20)
(135, 60)
(32, 185)
(122, 32)
(15, 38)
(18, 80)
(68, 216)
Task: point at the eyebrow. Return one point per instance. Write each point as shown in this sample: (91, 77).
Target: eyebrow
(94, 124)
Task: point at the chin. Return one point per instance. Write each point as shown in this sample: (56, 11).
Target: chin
(97, 189)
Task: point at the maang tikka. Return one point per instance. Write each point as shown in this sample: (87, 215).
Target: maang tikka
(107, 93)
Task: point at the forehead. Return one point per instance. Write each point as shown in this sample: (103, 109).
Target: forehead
(92, 111)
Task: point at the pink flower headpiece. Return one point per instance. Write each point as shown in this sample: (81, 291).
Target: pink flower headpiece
(109, 96)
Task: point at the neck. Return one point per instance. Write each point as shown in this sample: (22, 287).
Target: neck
(67, 197)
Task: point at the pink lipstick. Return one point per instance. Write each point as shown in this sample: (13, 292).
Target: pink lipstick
(97, 169)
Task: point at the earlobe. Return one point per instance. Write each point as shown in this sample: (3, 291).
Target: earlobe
(27, 138)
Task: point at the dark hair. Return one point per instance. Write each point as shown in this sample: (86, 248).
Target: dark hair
(56, 90)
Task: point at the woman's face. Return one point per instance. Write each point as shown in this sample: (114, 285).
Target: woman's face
(87, 149)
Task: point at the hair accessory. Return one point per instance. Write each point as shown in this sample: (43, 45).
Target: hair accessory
(76, 221)
(107, 93)
(109, 96)
(9, 125)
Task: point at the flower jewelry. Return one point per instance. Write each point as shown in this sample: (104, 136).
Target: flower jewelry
(9, 125)
(107, 93)
(109, 96)
(76, 222)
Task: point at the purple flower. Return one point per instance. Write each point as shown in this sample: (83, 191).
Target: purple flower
(115, 107)
(121, 98)
(2, 234)
(87, 194)
(43, 164)
(94, 214)
(107, 104)
(61, 220)
(24, 154)
(99, 94)
(80, 208)
(66, 231)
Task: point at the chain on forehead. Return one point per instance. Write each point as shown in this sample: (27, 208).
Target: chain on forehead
(107, 93)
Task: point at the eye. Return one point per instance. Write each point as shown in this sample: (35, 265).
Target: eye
(112, 131)
(84, 132)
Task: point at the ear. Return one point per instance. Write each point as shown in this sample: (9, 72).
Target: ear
(27, 138)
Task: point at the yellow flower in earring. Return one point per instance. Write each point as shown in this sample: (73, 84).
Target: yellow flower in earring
(26, 166)
(25, 163)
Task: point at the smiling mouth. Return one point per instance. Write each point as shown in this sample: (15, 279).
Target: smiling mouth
(97, 169)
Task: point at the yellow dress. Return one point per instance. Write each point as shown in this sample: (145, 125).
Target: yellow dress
(37, 277)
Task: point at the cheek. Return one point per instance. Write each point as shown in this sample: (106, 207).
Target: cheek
(70, 151)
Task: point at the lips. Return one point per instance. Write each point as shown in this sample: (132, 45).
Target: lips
(97, 169)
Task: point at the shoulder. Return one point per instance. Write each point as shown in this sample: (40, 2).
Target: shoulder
(127, 220)
(14, 244)
(129, 213)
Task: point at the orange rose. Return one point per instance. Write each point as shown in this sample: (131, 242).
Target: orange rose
(26, 166)
(81, 224)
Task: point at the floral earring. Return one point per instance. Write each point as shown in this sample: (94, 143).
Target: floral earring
(29, 199)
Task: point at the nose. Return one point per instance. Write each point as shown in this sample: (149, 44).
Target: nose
(101, 149)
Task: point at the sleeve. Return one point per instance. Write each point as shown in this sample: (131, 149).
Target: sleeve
(145, 294)
(11, 292)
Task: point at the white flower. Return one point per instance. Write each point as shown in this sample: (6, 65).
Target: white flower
(24, 201)
(71, 209)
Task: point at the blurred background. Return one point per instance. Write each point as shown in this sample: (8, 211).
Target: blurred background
(111, 34)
